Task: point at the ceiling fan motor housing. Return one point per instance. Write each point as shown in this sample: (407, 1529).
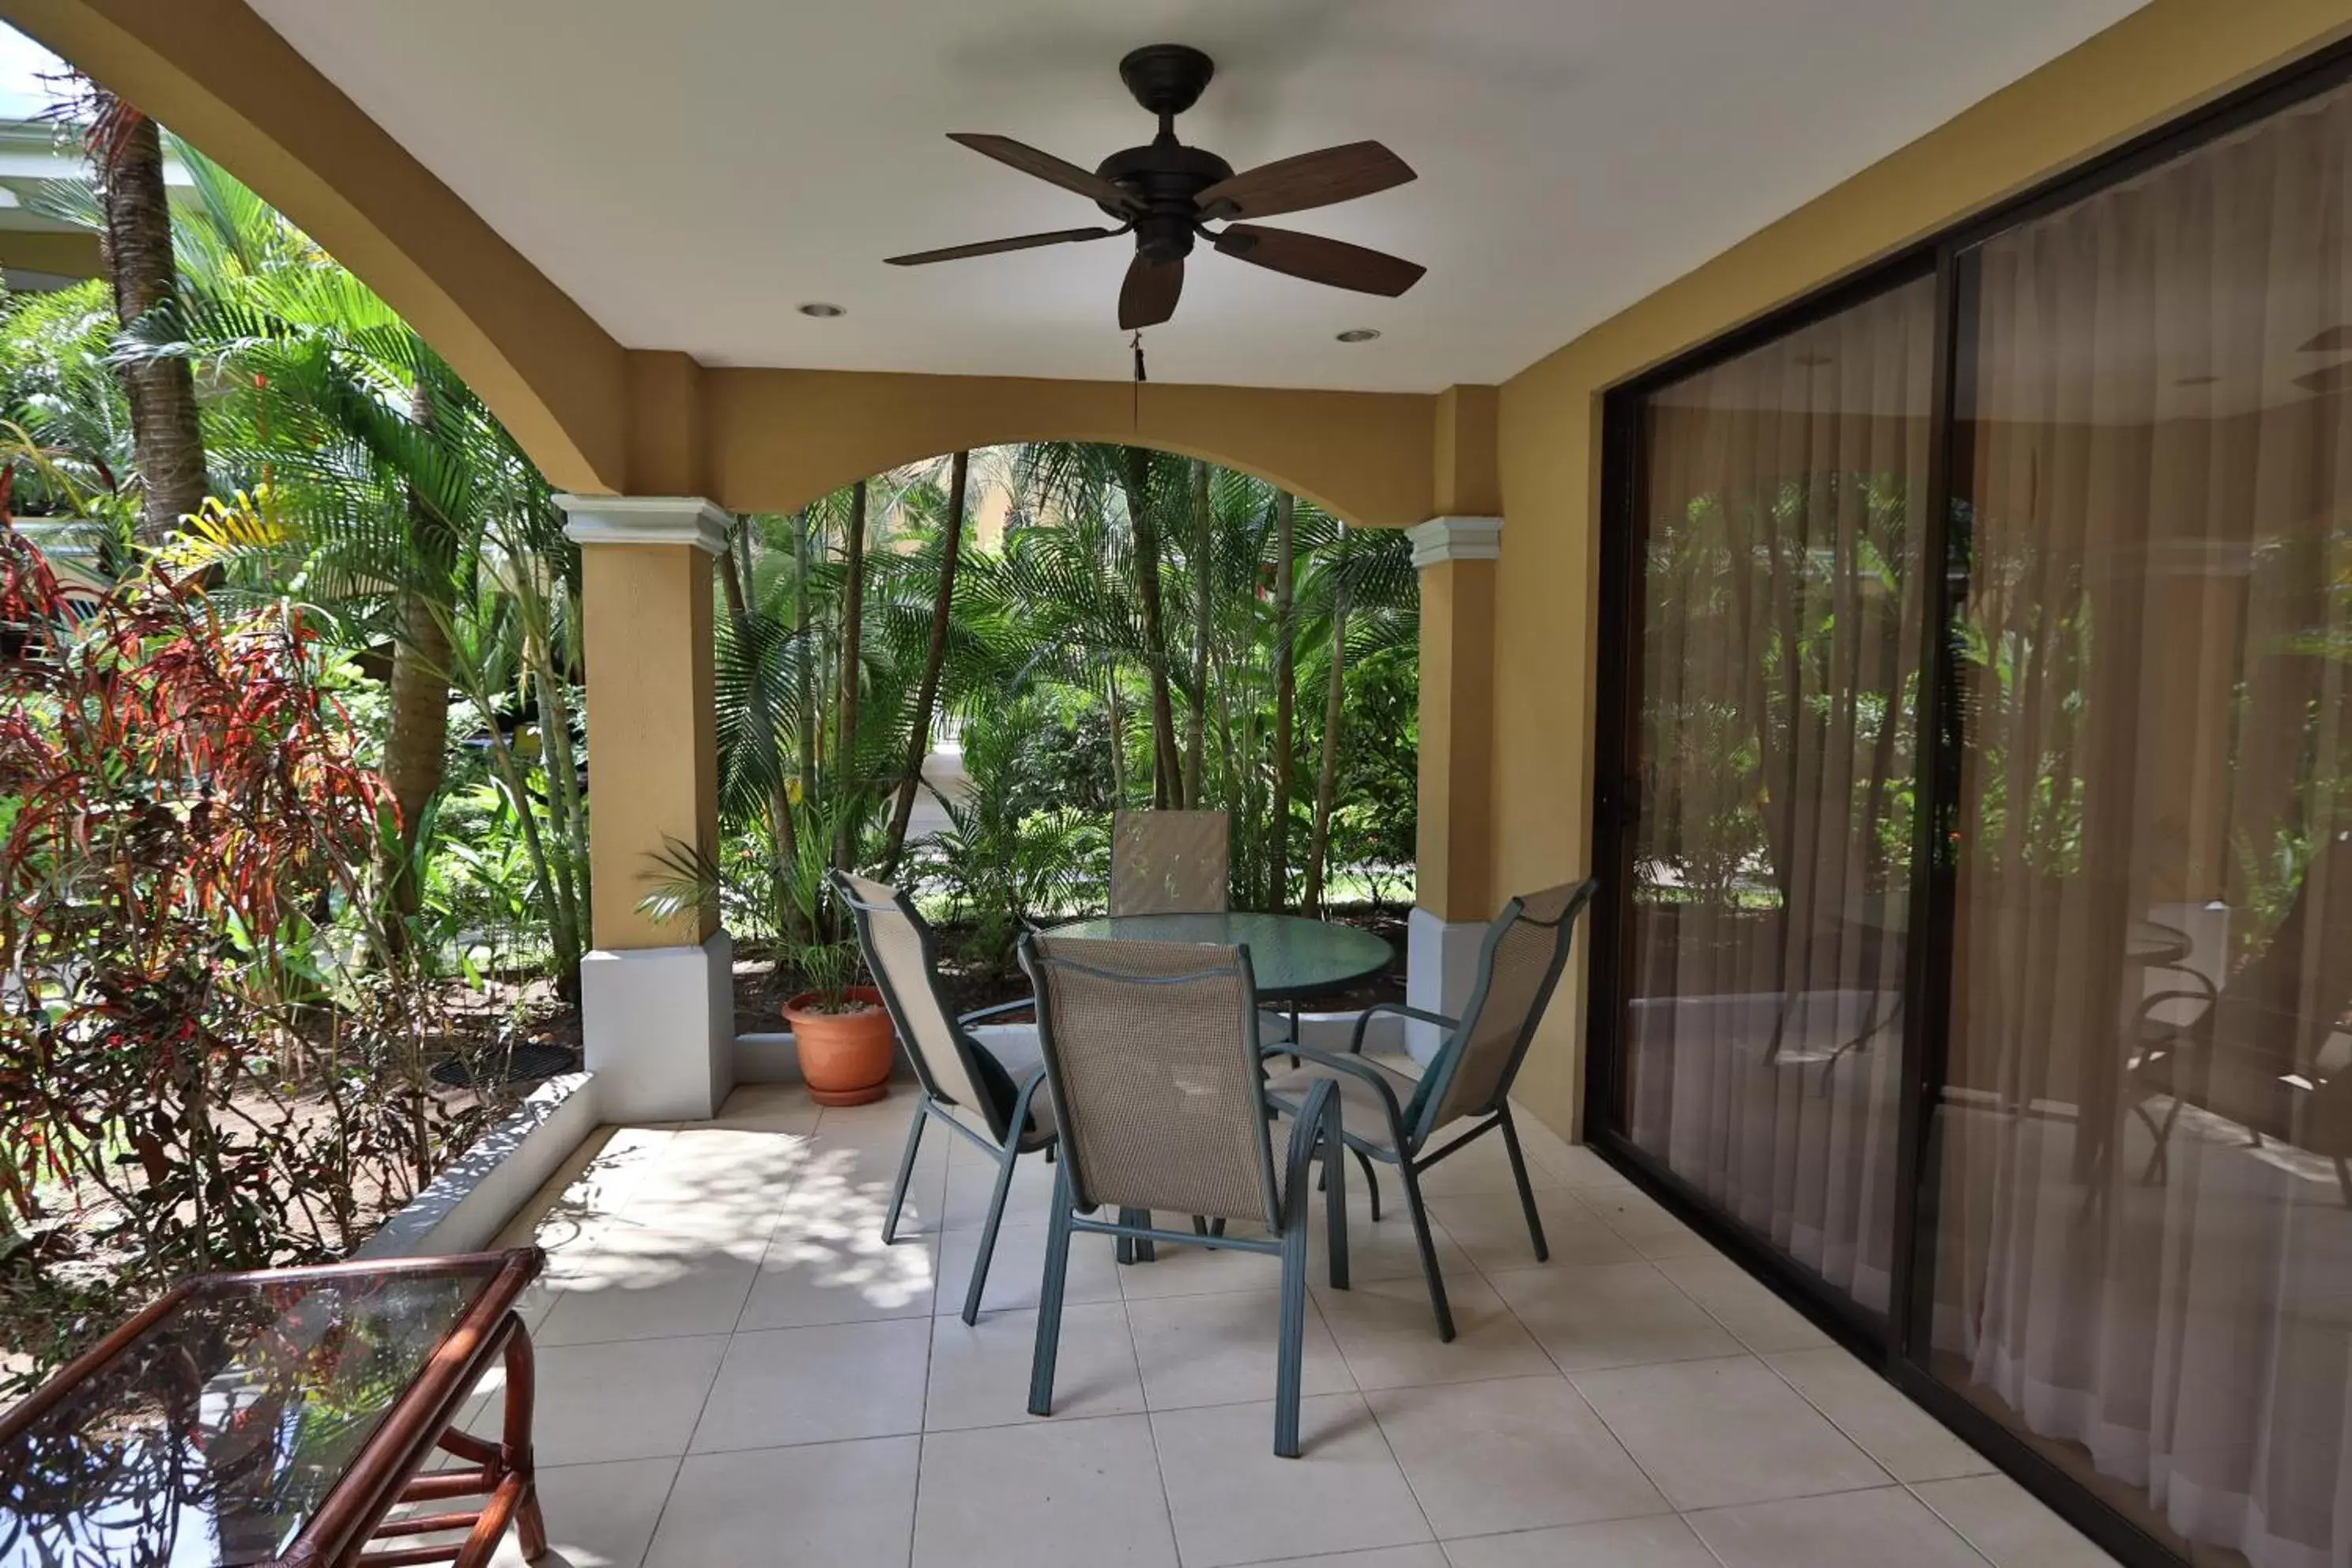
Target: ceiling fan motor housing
(1166, 80)
(1166, 175)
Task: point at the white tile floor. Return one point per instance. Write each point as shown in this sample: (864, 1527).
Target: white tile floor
(735, 1370)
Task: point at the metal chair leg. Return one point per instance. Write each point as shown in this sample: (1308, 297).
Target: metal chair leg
(1527, 1191)
(1291, 1349)
(1334, 1210)
(1371, 1182)
(988, 1237)
(1049, 1297)
(1428, 1250)
(906, 1173)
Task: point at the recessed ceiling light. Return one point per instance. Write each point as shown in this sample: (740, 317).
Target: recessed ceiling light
(821, 310)
(1358, 335)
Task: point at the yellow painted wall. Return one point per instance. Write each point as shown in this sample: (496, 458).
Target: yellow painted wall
(779, 438)
(2149, 69)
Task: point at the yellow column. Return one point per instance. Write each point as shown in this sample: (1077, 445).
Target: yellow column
(657, 1004)
(1459, 557)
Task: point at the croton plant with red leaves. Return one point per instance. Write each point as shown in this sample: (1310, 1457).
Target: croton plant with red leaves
(181, 814)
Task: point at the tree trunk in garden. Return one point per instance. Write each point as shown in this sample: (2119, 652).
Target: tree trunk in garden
(734, 571)
(127, 153)
(1196, 740)
(1165, 762)
(416, 744)
(1318, 846)
(1285, 693)
(806, 707)
(1117, 740)
(919, 734)
(416, 738)
(853, 609)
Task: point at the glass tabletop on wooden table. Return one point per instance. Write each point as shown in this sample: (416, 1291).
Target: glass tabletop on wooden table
(214, 1429)
(1294, 957)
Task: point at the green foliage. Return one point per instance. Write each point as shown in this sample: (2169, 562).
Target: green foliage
(1010, 850)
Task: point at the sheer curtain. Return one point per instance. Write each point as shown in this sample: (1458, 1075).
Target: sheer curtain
(1784, 496)
(2144, 1256)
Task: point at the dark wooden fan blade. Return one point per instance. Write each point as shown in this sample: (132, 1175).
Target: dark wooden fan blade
(1320, 260)
(1045, 166)
(1309, 180)
(990, 246)
(1148, 296)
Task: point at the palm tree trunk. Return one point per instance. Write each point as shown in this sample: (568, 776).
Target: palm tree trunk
(782, 854)
(564, 800)
(1117, 740)
(1196, 740)
(416, 738)
(1326, 785)
(806, 706)
(416, 747)
(1165, 762)
(918, 734)
(853, 609)
(1285, 693)
(127, 151)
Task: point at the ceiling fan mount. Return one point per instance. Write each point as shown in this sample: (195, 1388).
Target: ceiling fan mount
(1167, 79)
(1167, 194)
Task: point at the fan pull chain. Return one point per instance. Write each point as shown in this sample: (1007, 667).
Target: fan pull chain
(1136, 343)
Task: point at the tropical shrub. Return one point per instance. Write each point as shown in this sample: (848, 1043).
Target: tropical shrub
(191, 1077)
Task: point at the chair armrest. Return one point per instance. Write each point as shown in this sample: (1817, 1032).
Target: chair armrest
(1318, 1119)
(1024, 1004)
(1354, 1067)
(1356, 1040)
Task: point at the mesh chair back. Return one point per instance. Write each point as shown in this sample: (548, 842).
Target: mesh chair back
(1518, 967)
(900, 953)
(1151, 1049)
(1170, 863)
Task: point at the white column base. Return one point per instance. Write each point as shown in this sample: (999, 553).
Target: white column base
(1441, 965)
(658, 1028)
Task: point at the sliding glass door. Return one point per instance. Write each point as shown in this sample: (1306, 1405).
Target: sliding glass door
(2143, 1259)
(1976, 804)
(1782, 494)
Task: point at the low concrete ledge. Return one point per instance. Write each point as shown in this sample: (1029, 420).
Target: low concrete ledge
(471, 1202)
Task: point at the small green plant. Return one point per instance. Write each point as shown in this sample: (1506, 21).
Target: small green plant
(832, 970)
(827, 966)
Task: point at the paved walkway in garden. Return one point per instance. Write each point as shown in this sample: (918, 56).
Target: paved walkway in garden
(734, 1370)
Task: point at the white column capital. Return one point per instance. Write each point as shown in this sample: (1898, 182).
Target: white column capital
(646, 520)
(1443, 539)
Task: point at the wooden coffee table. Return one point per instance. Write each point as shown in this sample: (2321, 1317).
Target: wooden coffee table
(278, 1417)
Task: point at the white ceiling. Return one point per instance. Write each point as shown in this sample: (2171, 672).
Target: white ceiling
(691, 171)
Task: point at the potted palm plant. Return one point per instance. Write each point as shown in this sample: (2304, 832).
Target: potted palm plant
(842, 1033)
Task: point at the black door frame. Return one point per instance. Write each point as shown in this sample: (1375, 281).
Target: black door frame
(1898, 1341)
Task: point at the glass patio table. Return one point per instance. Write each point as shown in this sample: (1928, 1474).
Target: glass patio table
(277, 1417)
(1294, 958)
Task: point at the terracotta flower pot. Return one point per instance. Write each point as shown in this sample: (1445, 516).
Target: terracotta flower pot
(844, 1056)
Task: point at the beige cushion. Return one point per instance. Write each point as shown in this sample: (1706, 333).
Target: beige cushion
(1360, 1110)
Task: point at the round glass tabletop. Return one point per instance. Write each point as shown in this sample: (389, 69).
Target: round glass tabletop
(1292, 956)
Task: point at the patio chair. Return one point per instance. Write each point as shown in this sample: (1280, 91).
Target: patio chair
(995, 1095)
(1170, 862)
(1393, 1117)
(1153, 1051)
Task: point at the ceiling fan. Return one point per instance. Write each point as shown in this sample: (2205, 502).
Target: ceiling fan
(1166, 194)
